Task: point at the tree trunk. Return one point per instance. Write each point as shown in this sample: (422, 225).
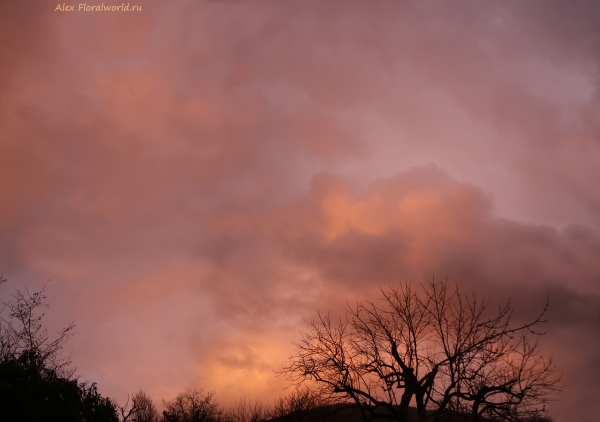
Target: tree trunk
(475, 411)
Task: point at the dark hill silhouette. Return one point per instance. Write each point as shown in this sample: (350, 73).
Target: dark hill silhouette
(352, 413)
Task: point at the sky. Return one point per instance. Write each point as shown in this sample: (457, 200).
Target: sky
(199, 177)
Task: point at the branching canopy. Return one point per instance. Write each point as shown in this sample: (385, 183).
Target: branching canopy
(437, 348)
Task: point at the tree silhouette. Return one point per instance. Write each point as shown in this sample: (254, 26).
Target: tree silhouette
(246, 410)
(438, 348)
(22, 330)
(31, 392)
(141, 409)
(36, 383)
(192, 406)
(299, 405)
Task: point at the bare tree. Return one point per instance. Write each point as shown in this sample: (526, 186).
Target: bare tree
(370, 356)
(36, 382)
(141, 409)
(486, 365)
(299, 405)
(127, 411)
(514, 382)
(146, 411)
(22, 331)
(435, 348)
(246, 410)
(192, 406)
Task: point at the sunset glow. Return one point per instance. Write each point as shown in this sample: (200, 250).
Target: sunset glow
(198, 178)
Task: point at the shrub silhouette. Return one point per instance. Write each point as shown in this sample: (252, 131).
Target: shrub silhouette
(36, 383)
(30, 392)
(192, 406)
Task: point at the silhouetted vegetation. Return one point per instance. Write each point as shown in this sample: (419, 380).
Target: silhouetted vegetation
(434, 356)
(193, 406)
(246, 410)
(440, 349)
(142, 409)
(22, 332)
(299, 405)
(36, 383)
(31, 392)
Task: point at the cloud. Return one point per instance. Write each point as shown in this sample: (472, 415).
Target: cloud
(419, 222)
(198, 178)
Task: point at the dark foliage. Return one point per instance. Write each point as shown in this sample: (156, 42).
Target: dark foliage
(22, 332)
(30, 392)
(36, 383)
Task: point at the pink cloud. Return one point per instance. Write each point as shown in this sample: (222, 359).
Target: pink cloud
(198, 178)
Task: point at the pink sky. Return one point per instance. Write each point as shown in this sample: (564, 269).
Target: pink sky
(199, 177)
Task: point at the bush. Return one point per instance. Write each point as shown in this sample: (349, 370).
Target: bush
(192, 406)
(30, 392)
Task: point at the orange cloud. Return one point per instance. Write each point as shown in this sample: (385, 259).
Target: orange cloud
(198, 178)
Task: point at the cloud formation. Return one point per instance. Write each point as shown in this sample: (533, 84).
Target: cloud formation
(199, 177)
